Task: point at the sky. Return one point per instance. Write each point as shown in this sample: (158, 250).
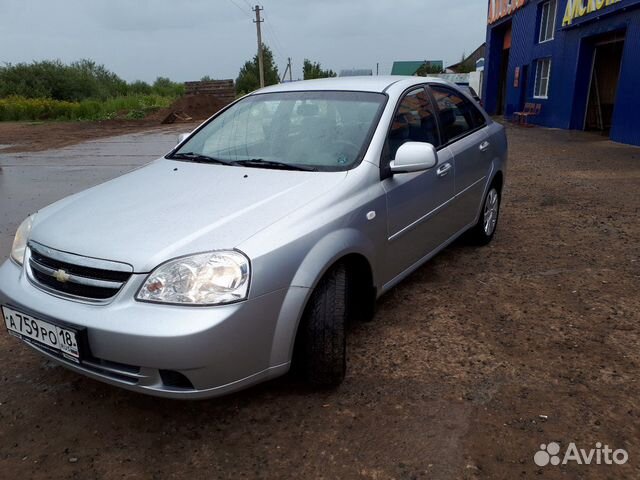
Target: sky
(187, 39)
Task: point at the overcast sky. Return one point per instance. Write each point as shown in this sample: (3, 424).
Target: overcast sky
(186, 39)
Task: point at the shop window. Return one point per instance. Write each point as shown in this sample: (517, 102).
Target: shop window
(543, 76)
(548, 15)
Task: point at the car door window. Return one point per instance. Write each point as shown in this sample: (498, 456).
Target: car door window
(477, 116)
(458, 115)
(415, 121)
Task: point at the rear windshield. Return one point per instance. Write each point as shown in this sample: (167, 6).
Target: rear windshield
(327, 131)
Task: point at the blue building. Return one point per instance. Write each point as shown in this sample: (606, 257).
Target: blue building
(578, 59)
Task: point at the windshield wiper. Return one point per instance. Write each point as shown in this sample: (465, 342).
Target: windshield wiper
(200, 158)
(262, 163)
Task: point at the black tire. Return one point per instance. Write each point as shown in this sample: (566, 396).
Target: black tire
(361, 299)
(478, 234)
(322, 351)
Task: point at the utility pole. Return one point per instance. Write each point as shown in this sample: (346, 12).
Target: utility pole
(258, 21)
(288, 69)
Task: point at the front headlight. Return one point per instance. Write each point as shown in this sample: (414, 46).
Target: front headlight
(19, 247)
(205, 279)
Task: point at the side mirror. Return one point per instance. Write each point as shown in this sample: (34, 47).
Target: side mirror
(182, 137)
(414, 157)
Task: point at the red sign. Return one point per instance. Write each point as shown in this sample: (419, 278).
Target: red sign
(503, 8)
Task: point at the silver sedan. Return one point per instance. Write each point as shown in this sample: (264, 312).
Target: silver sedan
(248, 247)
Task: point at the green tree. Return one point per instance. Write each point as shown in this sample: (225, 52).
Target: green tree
(427, 69)
(165, 87)
(465, 66)
(140, 88)
(74, 82)
(313, 70)
(249, 78)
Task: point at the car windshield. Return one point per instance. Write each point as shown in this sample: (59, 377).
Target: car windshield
(324, 130)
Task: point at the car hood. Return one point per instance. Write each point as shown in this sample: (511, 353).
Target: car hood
(170, 208)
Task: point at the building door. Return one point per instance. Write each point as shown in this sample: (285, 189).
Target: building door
(504, 70)
(605, 74)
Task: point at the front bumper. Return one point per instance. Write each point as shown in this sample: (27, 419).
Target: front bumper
(133, 345)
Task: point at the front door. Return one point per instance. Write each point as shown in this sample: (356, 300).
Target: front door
(417, 203)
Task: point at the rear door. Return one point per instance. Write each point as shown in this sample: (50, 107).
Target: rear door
(463, 127)
(417, 203)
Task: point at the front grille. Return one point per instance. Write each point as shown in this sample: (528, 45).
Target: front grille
(76, 276)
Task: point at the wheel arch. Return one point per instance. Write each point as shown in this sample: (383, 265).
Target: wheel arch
(498, 180)
(347, 245)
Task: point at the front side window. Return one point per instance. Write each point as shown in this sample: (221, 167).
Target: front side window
(543, 76)
(324, 130)
(457, 115)
(548, 20)
(415, 121)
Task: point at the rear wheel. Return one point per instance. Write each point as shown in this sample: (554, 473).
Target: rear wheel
(321, 352)
(482, 233)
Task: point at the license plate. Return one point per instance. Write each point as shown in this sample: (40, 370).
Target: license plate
(53, 337)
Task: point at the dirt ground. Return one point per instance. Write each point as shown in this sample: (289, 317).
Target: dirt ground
(40, 136)
(470, 365)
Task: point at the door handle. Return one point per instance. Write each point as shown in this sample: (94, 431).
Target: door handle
(443, 170)
(484, 146)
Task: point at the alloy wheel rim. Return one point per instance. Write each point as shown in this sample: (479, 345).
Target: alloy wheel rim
(491, 206)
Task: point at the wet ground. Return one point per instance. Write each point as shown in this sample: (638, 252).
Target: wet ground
(19, 137)
(469, 366)
(30, 180)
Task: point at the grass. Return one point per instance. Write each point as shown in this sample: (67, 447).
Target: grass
(17, 108)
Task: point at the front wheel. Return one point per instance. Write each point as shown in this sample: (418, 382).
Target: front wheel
(482, 233)
(322, 348)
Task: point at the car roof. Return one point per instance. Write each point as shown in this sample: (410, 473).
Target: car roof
(378, 84)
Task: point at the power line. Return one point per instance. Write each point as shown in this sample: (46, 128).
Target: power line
(276, 37)
(276, 41)
(239, 7)
(271, 42)
(277, 44)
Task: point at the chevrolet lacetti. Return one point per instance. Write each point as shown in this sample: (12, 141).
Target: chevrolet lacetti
(246, 249)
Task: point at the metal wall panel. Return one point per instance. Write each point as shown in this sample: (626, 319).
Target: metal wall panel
(571, 55)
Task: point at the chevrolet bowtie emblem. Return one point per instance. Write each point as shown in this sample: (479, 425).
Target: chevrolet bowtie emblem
(61, 276)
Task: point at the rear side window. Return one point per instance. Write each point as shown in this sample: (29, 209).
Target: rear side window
(415, 121)
(458, 115)
(476, 115)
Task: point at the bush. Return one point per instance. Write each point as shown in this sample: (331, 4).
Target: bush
(75, 82)
(165, 87)
(83, 90)
(140, 88)
(16, 108)
(52, 79)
